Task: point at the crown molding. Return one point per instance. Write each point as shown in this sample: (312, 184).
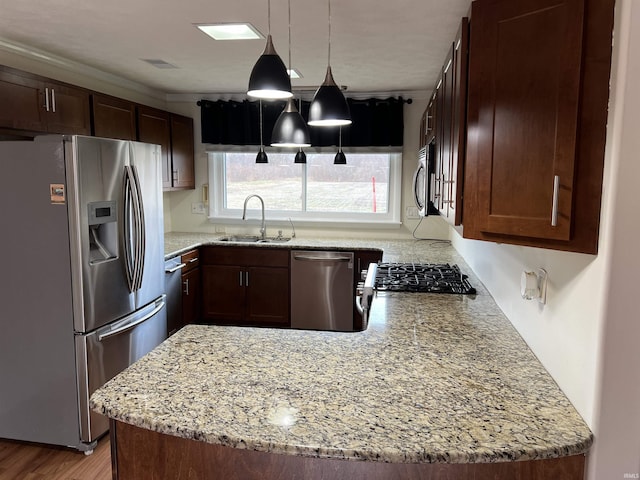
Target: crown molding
(76, 67)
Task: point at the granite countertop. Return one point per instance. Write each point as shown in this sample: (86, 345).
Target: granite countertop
(434, 378)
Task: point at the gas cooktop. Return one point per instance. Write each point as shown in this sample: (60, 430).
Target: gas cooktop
(422, 277)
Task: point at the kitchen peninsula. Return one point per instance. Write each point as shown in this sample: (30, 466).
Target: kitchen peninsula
(438, 386)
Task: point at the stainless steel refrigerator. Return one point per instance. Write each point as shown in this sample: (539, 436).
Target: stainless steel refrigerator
(83, 296)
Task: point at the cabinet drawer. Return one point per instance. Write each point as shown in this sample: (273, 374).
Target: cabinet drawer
(191, 259)
(257, 256)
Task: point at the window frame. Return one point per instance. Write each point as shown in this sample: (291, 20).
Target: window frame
(219, 214)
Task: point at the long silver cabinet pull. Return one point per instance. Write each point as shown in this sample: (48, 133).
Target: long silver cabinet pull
(46, 99)
(193, 260)
(175, 269)
(53, 100)
(241, 279)
(185, 290)
(554, 208)
(246, 279)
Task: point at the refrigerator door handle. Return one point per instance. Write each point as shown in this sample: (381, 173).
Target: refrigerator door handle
(128, 230)
(140, 228)
(134, 231)
(131, 321)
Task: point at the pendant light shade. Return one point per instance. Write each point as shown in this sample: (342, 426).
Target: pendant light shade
(262, 156)
(269, 78)
(290, 130)
(301, 157)
(329, 108)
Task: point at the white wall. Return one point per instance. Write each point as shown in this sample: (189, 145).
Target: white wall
(588, 334)
(179, 202)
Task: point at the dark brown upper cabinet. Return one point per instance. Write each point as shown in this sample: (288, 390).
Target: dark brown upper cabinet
(35, 104)
(154, 126)
(538, 89)
(445, 125)
(113, 117)
(174, 133)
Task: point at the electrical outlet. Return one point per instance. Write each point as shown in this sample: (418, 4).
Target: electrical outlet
(197, 208)
(411, 212)
(220, 229)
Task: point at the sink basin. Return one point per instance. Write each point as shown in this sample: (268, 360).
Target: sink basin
(253, 239)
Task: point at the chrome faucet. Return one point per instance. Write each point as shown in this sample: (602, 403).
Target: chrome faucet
(263, 226)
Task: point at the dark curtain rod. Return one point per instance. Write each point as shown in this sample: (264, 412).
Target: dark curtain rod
(400, 99)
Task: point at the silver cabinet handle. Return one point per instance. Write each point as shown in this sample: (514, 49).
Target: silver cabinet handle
(241, 279)
(175, 269)
(554, 208)
(193, 260)
(53, 100)
(185, 290)
(246, 279)
(46, 99)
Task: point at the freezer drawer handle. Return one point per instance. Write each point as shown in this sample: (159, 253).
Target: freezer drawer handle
(129, 325)
(175, 269)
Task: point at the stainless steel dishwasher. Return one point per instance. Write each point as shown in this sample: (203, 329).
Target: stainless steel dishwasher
(322, 294)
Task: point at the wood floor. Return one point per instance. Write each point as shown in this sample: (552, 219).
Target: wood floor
(23, 461)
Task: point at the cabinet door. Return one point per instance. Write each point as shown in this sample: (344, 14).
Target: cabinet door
(22, 100)
(69, 111)
(154, 126)
(446, 134)
(182, 152)
(267, 296)
(223, 293)
(191, 296)
(524, 84)
(113, 117)
(459, 122)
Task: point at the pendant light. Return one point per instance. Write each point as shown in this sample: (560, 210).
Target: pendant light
(340, 158)
(269, 78)
(290, 130)
(329, 108)
(301, 157)
(262, 156)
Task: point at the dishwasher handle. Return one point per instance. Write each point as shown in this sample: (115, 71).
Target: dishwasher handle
(312, 258)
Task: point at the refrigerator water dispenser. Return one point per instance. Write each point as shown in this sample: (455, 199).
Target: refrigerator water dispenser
(103, 232)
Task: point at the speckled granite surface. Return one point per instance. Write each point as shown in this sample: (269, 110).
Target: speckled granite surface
(435, 378)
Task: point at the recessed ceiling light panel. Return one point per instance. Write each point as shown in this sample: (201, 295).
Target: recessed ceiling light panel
(230, 31)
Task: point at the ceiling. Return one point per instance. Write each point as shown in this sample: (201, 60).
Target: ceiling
(376, 45)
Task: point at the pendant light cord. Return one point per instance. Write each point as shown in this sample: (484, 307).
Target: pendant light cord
(269, 17)
(261, 142)
(329, 53)
(289, 38)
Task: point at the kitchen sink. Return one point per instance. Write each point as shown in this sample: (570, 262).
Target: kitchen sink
(253, 239)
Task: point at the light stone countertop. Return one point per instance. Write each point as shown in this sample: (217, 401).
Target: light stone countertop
(434, 378)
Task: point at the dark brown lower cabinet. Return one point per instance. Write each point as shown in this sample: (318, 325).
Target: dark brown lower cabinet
(138, 453)
(191, 287)
(245, 286)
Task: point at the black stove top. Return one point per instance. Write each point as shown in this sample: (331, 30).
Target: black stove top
(422, 277)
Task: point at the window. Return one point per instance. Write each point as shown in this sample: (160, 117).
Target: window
(365, 191)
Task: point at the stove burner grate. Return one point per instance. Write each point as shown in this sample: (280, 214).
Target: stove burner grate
(422, 277)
